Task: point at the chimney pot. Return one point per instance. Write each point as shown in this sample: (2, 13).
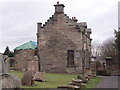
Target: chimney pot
(39, 23)
(57, 2)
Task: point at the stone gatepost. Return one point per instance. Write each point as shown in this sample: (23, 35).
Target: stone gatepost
(108, 65)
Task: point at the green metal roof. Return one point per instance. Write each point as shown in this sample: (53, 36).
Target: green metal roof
(27, 46)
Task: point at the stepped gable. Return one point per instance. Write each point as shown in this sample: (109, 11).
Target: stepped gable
(70, 22)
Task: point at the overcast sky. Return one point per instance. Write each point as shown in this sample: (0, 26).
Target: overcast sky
(18, 18)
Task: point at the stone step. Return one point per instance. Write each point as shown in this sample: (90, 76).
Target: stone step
(68, 86)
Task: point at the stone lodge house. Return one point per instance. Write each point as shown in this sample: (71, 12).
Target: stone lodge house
(63, 43)
(24, 54)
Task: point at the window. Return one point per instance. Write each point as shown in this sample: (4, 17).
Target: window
(70, 58)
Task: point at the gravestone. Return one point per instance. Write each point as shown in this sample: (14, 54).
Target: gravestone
(9, 81)
(83, 78)
(27, 79)
(93, 73)
(39, 76)
(4, 63)
(88, 72)
(33, 65)
(87, 76)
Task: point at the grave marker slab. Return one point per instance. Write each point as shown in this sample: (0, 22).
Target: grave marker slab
(83, 78)
(9, 81)
(81, 85)
(27, 78)
(4, 63)
(77, 80)
(33, 65)
(39, 76)
(69, 86)
(88, 72)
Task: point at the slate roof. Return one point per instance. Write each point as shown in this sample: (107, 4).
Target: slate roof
(31, 45)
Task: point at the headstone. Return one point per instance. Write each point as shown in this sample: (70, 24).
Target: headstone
(93, 73)
(9, 81)
(39, 76)
(87, 76)
(4, 63)
(33, 65)
(83, 78)
(27, 79)
(88, 72)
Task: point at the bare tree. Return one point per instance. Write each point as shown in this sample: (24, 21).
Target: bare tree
(96, 49)
(108, 49)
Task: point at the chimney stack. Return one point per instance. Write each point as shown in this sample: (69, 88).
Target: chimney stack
(59, 8)
(39, 25)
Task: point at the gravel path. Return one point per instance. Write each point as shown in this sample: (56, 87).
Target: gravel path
(109, 82)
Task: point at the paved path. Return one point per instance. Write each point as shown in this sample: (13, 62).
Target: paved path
(109, 82)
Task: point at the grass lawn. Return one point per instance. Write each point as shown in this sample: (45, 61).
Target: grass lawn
(53, 80)
(93, 82)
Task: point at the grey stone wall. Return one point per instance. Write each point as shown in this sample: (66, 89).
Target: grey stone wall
(22, 57)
